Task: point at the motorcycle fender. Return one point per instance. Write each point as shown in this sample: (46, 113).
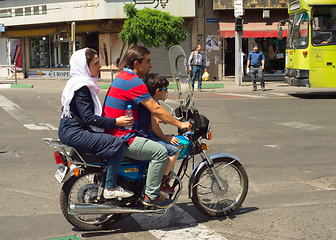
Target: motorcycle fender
(201, 164)
(70, 172)
(68, 176)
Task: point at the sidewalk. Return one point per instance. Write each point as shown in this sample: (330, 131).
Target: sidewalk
(207, 86)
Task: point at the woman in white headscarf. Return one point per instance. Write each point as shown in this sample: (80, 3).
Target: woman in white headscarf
(82, 125)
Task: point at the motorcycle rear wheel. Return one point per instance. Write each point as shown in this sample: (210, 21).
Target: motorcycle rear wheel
(207, 196)
(84, 189)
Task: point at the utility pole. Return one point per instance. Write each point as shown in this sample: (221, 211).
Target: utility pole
(238, 13)
(73, 36)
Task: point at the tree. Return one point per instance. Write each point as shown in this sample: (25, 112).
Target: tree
(151, 27)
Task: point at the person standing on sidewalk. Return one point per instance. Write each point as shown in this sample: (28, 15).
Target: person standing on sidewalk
(256, 61)
(196, 63)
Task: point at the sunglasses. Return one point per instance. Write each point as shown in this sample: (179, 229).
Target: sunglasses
(165, 88)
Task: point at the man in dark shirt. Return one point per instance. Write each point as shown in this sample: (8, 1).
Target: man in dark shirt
(256, 61)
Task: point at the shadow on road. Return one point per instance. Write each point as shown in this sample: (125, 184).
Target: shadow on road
(123, 226)
(314, 95)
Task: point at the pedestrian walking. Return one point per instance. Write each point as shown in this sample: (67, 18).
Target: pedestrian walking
(256, 63)
(196, 63)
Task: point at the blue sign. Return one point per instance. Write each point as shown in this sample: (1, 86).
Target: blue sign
(212, 20)
(2, 27)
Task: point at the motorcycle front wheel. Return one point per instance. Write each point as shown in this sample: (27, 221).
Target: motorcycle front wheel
(209, 198)
(84, 189)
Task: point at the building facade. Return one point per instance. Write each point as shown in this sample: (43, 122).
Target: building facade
(37, 36)
(260, 26)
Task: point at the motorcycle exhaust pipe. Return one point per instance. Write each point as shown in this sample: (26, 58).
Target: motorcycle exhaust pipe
(84, 209)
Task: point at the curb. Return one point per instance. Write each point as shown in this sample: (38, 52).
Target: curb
(172, 86)
(16, 86)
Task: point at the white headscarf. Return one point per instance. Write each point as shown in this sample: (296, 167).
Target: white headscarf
(81, 76)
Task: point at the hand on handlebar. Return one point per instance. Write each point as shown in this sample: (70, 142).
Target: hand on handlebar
(185, 125)
(124, 121)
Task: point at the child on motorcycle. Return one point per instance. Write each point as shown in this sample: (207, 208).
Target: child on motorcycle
(148, 126)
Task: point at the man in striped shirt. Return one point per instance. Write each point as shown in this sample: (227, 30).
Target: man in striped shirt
(128, 89)
(196, 64)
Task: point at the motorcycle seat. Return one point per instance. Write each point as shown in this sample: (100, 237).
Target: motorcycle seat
(88, 157)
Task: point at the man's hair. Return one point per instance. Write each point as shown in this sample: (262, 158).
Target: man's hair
(89, 55)
(154, 81)
(256, 44)
(135, 53)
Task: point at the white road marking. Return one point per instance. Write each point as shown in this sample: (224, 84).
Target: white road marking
(279, 94)
(304, 126)
(242, 95)
(20, 114)
(185, 226)
(170, 101)
(272, 146)
(5, 85)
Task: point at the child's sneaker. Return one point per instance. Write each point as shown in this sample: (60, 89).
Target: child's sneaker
(118, 192)
(165, 186)
(160, 202)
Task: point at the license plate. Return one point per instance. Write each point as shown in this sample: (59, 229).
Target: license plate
(60, 173)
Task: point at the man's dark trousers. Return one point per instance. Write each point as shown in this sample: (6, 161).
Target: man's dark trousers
(254, 72)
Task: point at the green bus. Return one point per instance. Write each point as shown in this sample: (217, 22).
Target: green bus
(311, 43)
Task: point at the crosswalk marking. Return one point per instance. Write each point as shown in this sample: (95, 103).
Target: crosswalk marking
(242, 95)
(21, 115)
(300, 125)
(184, 226)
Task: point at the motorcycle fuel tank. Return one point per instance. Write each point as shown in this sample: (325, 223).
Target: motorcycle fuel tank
(184, 145)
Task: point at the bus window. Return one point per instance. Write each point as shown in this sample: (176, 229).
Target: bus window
(298, 27)
(324, 25)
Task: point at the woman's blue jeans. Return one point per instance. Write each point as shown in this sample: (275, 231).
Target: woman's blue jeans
(113, 165)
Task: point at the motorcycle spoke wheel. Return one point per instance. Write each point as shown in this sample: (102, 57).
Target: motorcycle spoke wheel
(85, 190)
(213, 201)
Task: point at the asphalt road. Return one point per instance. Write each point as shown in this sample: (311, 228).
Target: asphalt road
(284, 137)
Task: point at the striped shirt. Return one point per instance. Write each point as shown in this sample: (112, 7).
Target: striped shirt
(197, 57)
(126, 89)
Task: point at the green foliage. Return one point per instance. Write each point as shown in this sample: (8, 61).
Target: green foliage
(152, 27)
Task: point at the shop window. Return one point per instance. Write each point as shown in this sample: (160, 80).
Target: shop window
(274, 52)
(60, 54)
(39, 52)
(51, 51)
(15, 53)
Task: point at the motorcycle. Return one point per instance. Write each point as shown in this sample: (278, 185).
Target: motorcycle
(218, 184)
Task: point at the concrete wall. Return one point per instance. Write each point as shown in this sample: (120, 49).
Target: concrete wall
(205, 31)
(3, 57)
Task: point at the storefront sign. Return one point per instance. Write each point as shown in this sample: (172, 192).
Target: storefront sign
(251, 4)
(49, 74)
(238, 8)
(59, 11)
(2, 27)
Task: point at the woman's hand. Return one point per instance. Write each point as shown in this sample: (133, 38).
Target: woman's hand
(124, 121)
(173, 140)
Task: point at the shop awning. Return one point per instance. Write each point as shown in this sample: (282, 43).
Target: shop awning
(252, 30)
(30, 32)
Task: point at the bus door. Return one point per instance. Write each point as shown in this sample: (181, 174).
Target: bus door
(323, 66)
